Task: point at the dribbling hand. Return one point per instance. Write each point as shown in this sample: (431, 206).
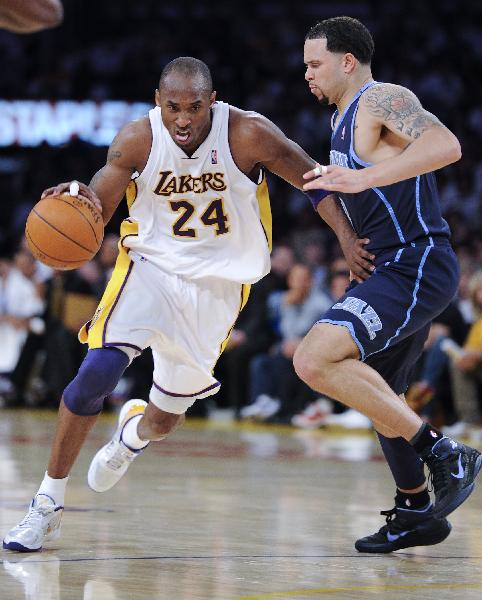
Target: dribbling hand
(84, 192)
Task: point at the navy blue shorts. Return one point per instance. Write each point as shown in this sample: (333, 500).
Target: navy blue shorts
(389, 314)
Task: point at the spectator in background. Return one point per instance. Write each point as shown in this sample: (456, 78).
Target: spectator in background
(466, 368)
(21, 300)
(275, 387)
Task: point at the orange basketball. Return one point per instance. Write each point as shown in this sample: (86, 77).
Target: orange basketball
(64, 232)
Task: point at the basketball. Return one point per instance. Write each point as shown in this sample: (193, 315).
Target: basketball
(64, 231)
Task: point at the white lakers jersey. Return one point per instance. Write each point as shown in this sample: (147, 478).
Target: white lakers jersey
(199, 216)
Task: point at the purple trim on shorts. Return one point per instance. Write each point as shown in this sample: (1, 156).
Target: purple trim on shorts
(214, 385)
(115, 344)
(116, 300)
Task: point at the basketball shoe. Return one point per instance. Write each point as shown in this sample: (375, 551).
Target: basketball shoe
(41, 524)
(404, 529)
(112, 460)
(453, 468)
(314, 414)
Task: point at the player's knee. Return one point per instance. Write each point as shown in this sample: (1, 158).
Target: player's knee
(97, 377)
(161, 423)
(307, 368)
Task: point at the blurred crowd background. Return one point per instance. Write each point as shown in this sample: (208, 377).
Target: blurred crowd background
(115, 51)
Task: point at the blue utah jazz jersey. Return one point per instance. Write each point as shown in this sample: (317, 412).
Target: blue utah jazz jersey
(392, 215)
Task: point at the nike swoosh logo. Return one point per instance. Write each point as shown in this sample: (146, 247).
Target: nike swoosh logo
(460, 472)
(394, 537)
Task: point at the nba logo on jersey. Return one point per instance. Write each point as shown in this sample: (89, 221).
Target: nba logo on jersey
(343, 133)
(214, 157)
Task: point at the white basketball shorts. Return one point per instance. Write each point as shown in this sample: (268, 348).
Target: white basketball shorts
(186, 323)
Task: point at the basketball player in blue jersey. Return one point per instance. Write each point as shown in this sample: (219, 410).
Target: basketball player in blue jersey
(384, 149)
(198, 233)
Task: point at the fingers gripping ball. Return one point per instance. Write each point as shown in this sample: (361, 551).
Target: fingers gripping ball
(64, 231)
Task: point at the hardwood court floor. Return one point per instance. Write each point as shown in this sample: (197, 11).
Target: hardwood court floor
(223, 512)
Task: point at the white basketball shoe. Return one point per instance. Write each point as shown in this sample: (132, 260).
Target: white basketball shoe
(41, 524)
(112, 460)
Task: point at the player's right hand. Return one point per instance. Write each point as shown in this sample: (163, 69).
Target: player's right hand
(85, 192)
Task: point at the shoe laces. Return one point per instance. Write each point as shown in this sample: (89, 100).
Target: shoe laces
(438, 473)
(120, 456)
(392, 519)
(35, 515)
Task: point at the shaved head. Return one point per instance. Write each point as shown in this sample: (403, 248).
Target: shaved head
(190, 68)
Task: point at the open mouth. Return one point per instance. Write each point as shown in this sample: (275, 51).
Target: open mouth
(182, 137)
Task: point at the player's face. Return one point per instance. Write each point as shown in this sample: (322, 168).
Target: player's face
(324, 71)
(186, 111)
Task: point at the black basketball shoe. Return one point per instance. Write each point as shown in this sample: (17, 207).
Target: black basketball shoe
(453, 469)
(404, 529)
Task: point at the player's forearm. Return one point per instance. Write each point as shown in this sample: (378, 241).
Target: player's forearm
(436, 148)
(21, 16)
(331, 212)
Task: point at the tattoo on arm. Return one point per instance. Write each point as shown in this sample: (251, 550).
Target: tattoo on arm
(402, 107)
(113, 155)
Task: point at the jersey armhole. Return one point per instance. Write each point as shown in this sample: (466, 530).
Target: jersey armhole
(143, 175)
(230, 158)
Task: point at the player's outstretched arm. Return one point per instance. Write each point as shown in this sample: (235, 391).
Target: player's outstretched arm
(429, 144)
(127, 153)
(267, 145)
(28, 16)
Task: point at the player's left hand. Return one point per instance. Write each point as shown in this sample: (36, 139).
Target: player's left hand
(337, 179)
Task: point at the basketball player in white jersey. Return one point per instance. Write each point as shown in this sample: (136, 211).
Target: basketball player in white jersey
(198, 234)
(21, 16)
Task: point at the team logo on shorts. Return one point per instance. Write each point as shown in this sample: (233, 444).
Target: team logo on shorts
(363, 311)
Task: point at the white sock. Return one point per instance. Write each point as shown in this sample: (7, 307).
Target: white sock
(55, 488)
(129, 434)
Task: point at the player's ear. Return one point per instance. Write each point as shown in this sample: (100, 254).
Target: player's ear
(157, 97)
(212, 98)
(349, 62)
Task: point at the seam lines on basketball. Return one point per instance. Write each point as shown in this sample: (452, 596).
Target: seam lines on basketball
(62, 233)
(84, 217)
(48, 255)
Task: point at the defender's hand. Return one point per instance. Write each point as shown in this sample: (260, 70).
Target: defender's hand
(84, 192)
(334, 178)
(358, 259)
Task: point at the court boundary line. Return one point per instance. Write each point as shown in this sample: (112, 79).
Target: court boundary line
(5, 556)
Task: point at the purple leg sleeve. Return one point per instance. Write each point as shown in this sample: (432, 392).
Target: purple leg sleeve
(404, 462)
(97, 377)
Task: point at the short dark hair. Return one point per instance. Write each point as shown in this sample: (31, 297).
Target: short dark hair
(190, 67)
(345, 34)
